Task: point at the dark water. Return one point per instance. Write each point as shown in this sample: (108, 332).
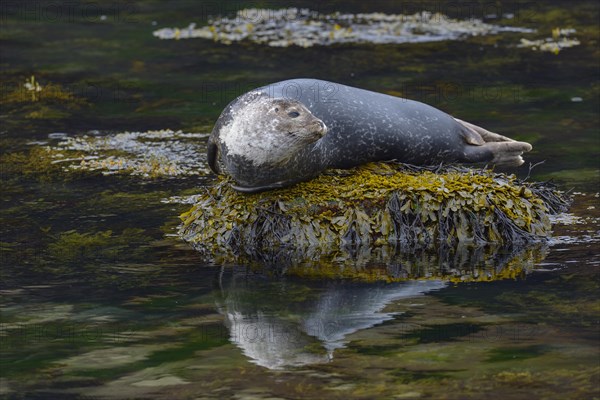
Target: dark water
(100, 299)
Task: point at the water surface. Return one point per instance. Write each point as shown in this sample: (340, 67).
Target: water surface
(101, 299)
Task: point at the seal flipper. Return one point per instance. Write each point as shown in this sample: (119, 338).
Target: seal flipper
(470, 135)
(212, 153)
(484, 134)
(508, 154)
(256, 189)
(492, 147)
(504, 154)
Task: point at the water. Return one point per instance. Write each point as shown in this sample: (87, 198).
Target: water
(101, 299)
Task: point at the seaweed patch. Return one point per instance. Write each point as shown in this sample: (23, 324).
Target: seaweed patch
(374, 206)
(560, 40)
(151, 154)
(307, 28)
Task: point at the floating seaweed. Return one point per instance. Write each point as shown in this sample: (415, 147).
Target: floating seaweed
(560, 40)
(306, 28)
(35, 100)
(32, 91)
(148, 154)
(381, 207)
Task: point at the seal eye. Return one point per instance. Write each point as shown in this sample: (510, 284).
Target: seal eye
(276, 109)
(293, 114)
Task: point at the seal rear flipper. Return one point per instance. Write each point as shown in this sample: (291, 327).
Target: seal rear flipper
(484, 134)
(508, 153)
(470, 135)
(212, 154)
(505, 154)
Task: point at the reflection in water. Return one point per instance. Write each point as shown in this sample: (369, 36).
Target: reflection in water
(397, 263)
(134, 311)
(279, 322)
(280, 317)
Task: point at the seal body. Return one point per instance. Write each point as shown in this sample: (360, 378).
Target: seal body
(320, 124)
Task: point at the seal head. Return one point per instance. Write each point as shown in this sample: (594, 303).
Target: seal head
(259, 140)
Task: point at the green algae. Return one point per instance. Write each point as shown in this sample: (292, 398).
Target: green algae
(73, 248)
(37, 163)
(511, 354)
(169, 354)
(381, 350)
(406, 376)
(34, 101)
(33, 92)
(559, 308)
(114, 200)
(443, 333)
(189, 348)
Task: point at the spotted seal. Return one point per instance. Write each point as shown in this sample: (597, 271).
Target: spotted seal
(291, 131)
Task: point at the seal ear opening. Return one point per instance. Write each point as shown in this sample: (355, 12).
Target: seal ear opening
(212, 153)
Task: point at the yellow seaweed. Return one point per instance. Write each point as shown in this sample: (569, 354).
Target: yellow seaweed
(374, 205)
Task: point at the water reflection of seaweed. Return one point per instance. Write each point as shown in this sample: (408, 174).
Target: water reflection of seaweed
(281, 322)
(398, 263)
(280, 317)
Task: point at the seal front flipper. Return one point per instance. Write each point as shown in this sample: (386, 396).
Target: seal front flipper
(256, 189)
(212, 154)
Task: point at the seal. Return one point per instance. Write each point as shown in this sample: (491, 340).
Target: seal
(291, 131)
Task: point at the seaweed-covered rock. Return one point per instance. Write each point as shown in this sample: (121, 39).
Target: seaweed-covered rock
(376, 205)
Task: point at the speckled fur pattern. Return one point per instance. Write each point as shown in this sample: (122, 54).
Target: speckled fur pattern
(362, 126)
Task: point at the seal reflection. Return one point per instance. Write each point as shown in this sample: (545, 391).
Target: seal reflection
(281, 322)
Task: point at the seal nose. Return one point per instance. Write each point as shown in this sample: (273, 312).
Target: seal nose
(323, 127)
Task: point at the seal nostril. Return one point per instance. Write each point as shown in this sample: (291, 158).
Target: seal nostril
(323, 126)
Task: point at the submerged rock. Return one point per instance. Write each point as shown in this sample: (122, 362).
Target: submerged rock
(374, 206)
(306, 28)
